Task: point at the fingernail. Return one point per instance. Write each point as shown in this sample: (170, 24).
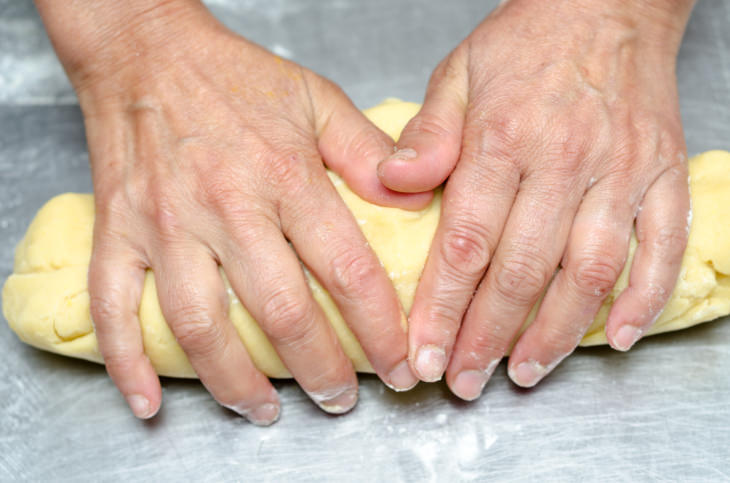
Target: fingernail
(626, 337)
(430, 363)
(401, 378)
(264, 415)
(338, 404)
(405, 154)
(140, 406)
(469, 385)
(528, 373)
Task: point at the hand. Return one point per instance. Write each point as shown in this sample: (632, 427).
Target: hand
(206, 151)
(561, 124)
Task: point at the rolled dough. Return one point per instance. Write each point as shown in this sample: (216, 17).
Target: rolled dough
(46, 302)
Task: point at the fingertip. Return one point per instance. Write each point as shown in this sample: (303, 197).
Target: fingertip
(625, 325)
(395, 170)
(401, 378)
(430, 363)
(140, 387)
(373, 191)
(529, 372)
(141, 406)
(337, 402)
(264, 415)
(429, 147)
(410, 202)
(627, 321)
(625, 337)
(467, 377)
(468, 385)
(421, 168)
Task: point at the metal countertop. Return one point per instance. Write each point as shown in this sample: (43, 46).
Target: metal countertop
(660, 412)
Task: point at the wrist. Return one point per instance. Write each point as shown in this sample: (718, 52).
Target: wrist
(656, 24)
(96, 39)
(659, 24)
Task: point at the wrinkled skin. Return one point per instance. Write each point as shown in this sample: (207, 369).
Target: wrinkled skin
(207, 151)
(558, 127)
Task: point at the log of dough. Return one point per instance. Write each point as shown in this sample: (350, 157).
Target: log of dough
(46, 302)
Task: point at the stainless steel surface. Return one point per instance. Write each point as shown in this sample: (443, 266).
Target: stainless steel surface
(660, 412)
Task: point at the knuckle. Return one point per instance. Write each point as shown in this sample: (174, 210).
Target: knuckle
(466, 248)
(249, 232)
(327, 381)
(670, 240)
(103, 308)
(563, 338)
(489, 345)
(119, 363)
(196, 330)
(625, 152)
(569, 147)
(495, 141)
(288, 318)
(596, 275)
(499, 136)
(454, 65)
(230, 204)
(520, 278)
(430, 124)
(162, 208)
(218, 190)
(323, 84)
(368, 143)
(444, 316)
(286, 168)
(354, 272)
(111, 205)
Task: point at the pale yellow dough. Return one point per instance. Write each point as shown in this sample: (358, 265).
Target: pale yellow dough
(46, 302)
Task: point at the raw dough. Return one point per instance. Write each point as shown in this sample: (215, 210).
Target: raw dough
(46, 301)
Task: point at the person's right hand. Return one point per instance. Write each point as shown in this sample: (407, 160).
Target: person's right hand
(206, 151)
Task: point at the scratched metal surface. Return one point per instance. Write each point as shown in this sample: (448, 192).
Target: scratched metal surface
(661, 412)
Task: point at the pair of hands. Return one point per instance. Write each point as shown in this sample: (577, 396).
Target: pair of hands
(555, 124)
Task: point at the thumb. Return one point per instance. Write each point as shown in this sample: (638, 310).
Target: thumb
(352, 147)
(430, 144)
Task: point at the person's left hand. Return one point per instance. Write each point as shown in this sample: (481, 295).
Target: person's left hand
(564, 120)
